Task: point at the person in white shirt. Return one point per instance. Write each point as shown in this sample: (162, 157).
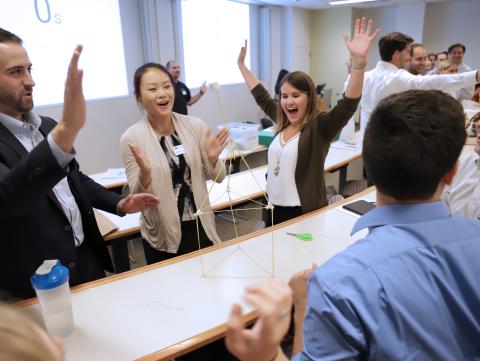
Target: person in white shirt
(443, 55)
(447, 67)
(418, 60)
(463, 195)
(389, 76)
(456, 53)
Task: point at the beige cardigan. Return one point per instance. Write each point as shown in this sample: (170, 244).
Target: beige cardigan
(160, 226)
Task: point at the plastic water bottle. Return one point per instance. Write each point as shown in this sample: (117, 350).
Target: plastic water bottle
(50, 282)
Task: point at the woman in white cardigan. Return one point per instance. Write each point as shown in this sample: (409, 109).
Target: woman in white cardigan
(170, 155)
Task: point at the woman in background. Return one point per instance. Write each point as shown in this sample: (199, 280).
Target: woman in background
(447, 67)
(169, 155)
(296, 157)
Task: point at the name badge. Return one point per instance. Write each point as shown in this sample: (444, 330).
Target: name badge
(178, 150)
(184, 92)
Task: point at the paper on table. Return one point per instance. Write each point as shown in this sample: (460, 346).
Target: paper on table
(114, 173)
(346, 145)
(105, 225)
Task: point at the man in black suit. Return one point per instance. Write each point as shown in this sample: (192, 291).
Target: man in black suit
(45, 201)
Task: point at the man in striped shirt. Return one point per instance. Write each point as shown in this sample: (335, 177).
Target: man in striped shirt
(463, 195)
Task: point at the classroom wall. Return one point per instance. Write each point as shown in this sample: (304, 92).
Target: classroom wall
(299, 40)
(97, 146)
(443, 24)
(278, 62)
(451, 22)
(157, 46)
(437, 25)
(409, 19)
(329, 54)
(289, 41)
(300, 47)
(384, 18)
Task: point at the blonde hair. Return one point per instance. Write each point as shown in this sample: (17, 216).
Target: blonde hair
(301, 81)
(444, 65)
(21, 338)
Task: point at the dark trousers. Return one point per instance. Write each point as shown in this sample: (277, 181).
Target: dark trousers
(87, 268)
(188, 243)
(280, 214)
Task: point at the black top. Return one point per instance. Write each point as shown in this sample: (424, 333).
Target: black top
(182, 96)
(181, 177)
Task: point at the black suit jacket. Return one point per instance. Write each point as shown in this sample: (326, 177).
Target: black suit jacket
(33, 226)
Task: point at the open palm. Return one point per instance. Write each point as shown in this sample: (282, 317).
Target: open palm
(141, 159)
(242, 54)
(214, 145)
(360, 43)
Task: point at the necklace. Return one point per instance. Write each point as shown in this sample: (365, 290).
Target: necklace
(283, 144)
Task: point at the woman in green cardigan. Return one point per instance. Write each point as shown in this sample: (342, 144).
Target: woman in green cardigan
(296, 157)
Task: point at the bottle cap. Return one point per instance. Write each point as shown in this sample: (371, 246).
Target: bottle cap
(49, 275)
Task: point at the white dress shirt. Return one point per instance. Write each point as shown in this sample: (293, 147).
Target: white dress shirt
(463, 195)
(28, 133)
(281, 188)
(465, 93)
(386, 79)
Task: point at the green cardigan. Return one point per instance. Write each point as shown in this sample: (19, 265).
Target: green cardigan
(313, 146)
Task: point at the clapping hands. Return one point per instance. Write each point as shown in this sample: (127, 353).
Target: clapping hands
(214, 145)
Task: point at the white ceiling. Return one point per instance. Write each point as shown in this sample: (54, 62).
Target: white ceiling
(324, 4)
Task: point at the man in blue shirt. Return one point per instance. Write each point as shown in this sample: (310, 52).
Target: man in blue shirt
(410, 290)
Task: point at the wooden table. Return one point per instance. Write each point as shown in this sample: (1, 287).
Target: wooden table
(164, 310)
(244, 187)
(338, 158)
(115, 178)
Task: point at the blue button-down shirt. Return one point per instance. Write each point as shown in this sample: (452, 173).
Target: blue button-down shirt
(410, 290)
(27, 132)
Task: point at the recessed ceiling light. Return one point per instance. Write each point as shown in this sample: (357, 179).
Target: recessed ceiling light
(345, 2)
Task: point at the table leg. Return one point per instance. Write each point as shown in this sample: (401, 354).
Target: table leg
(236, 165)
(342, 178)
(121, 261)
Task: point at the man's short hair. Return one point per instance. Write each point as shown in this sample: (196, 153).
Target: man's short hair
(412, 140)
(456, 45)
(169, 63)
(414, 46)
(8, 37)
(392, 42)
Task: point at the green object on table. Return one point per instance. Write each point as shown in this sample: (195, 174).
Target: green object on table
(265, 137)
(302, 236)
